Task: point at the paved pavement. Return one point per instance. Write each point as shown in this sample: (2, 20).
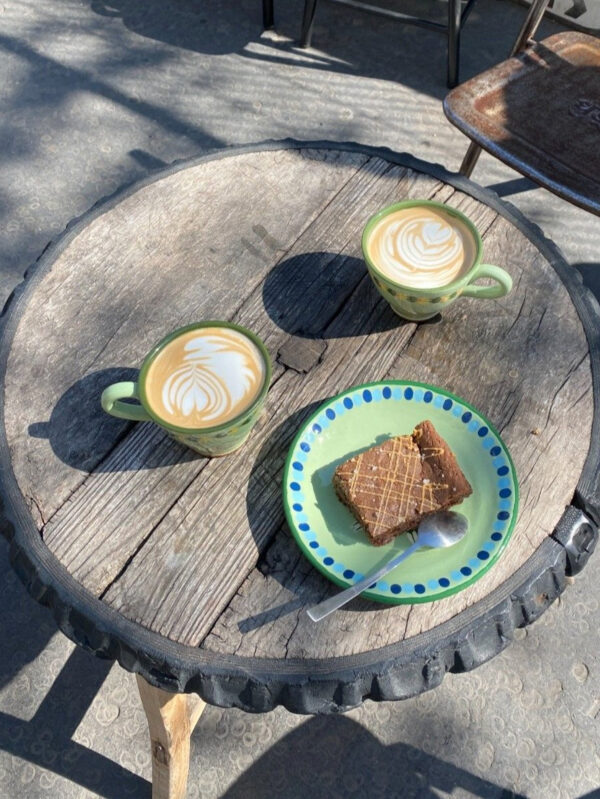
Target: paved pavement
(95, 94)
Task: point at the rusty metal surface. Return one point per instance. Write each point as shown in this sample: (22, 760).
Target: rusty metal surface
(539, 112)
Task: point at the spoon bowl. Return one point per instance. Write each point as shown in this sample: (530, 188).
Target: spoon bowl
(442, 529)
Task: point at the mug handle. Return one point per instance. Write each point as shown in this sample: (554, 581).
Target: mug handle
(111, 402)
(502, 287)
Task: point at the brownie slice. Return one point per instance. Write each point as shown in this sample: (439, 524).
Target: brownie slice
(391, 487)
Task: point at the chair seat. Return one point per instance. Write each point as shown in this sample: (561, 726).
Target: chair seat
(539, 112)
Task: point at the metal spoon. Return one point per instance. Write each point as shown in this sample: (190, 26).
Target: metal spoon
(441, 529)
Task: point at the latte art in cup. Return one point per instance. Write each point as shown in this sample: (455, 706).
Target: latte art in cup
(422, 247)
(205, 377)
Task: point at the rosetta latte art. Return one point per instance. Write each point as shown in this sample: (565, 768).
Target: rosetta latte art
(205, 378)
(421, 247)
(213, 381)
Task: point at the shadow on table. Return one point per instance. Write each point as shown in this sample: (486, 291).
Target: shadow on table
(305, 294)
(81, 434)
(281, 558)
(335, 756)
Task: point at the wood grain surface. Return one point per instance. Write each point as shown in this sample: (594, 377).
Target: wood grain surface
(198, 550)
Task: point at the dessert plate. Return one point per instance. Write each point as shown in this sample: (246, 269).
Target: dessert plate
(329, 535)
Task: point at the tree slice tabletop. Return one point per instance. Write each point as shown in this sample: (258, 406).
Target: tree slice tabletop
(183, 568)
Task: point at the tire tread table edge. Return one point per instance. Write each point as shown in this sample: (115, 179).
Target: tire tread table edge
(397, 671)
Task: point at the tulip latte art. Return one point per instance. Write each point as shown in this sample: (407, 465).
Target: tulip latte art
(205, 377)
(422, 247)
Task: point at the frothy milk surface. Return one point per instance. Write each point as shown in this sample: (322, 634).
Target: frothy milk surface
(422, 247)
(205, 377)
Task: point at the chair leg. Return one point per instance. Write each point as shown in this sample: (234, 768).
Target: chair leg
(308, 22)
(470, 159)
(530, 26)
(268, 15)
(454, 19)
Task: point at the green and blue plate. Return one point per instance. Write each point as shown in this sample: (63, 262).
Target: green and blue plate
(332, 539)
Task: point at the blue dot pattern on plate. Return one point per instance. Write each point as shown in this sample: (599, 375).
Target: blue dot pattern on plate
(470, 422)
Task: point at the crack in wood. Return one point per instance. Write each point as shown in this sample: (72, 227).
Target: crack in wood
(571, 371)
(519, 314)
(38, 507)
(539, 324)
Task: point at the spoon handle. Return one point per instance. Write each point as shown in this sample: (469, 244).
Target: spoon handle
(318, 612)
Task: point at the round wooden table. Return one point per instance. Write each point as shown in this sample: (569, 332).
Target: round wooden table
(182, 568)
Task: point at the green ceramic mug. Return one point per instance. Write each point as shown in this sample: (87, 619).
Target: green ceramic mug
(423, 255)
(205, 384)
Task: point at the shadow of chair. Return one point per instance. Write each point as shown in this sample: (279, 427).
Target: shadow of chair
(538, 111)
(457, 15)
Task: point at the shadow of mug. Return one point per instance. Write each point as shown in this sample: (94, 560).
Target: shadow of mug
(307, 307)
(81, 434)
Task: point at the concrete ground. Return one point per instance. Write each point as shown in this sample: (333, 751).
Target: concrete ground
(95, 93)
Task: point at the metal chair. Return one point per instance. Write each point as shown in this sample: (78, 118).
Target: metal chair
(456, 17)
(538, 111)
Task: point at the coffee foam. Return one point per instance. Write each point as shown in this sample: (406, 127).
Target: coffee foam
(205, 377)
(421, 247)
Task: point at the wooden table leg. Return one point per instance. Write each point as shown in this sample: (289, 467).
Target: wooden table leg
(171, 719)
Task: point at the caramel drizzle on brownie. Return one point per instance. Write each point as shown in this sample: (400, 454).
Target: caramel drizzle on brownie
(404, 490)
(431, 452)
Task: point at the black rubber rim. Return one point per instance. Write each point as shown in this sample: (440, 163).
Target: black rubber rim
(335, 684)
